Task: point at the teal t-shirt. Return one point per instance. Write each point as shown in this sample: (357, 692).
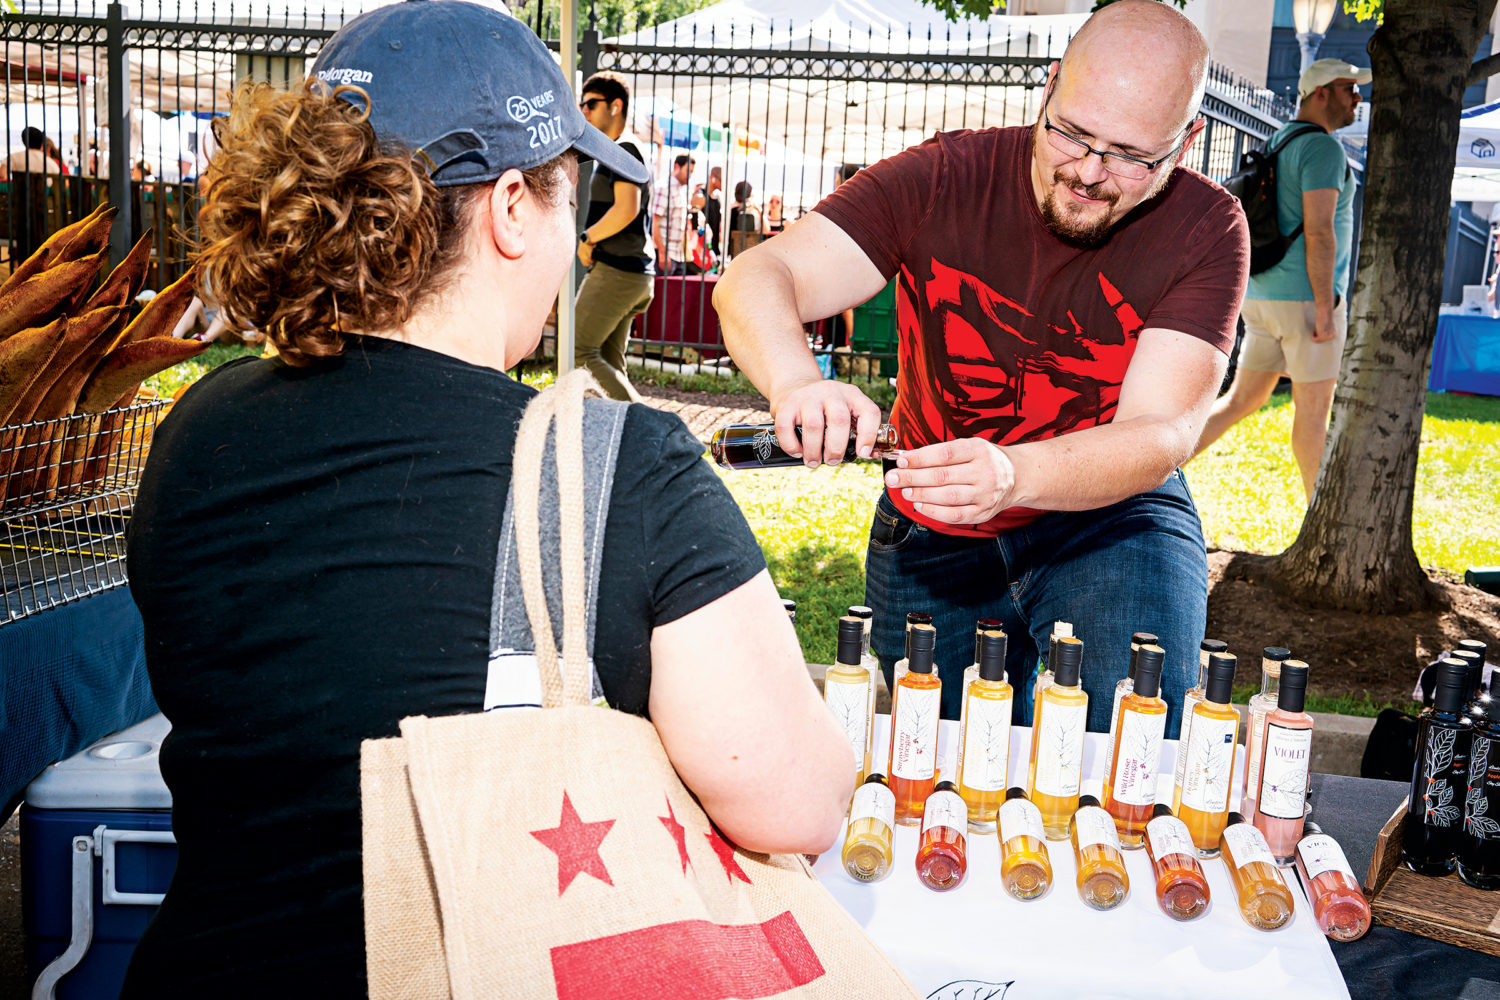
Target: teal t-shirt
(1310, 162)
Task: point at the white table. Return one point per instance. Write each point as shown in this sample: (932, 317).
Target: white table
(977, 942)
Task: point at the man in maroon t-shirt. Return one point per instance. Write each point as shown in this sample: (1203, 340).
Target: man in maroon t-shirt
(1066, 299)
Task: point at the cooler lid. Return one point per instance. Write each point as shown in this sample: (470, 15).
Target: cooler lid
(118, 772)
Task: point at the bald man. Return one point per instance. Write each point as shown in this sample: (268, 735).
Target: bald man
(1066, 300)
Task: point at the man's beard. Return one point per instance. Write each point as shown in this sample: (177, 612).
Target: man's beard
(1090, 232)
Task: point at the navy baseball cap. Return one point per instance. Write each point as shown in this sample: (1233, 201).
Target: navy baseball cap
(470, 90)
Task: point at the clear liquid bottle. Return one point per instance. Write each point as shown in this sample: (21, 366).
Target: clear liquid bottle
(1181, 887)
(1261, 705)
(1103, 882)
(1339, 907)
(1479, 846)
(1025, 867)
(1130, 787)
(899, 670)
(1286, 753)
(1265, 901)
(984, 735)
(1056, 769)
(1123, 687)
(1195, 694)
(1044, 672)
(1440, 778)
(754, 446)
(915, 728)
(849, 693)
(942, 856)
(1203, 799)
(872, 819)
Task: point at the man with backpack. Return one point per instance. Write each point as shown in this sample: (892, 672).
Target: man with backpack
(1295, 322)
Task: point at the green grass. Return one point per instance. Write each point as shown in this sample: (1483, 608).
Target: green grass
(1249, 493)
(187, 372)
(1343, 704)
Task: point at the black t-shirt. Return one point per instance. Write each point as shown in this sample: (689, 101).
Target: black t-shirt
(313, 554)
(626, 249)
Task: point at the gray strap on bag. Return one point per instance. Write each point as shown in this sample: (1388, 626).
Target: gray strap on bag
(513, 675)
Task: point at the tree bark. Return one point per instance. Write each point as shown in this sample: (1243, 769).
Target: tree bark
(1354, 551)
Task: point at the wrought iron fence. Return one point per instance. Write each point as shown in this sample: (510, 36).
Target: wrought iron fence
(119, 99)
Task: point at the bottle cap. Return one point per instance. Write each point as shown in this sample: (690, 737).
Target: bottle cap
(1220, 684)
(1160, 809)
(1310, 829)
(1233, 818)
(945, 786)
(1475, 664)
(1015, 792)
(981, 627)
(1148, 663)
(918, 618)
(922, 640)
(1214, 646)
(851, 640)
(1452, 676)
(1277, 653)
(1087, 800)
(861, 612)
(1142, 639)
(1069, 662)
(992, 655)
(876, 778)
(1293, 693)
(1476, 645)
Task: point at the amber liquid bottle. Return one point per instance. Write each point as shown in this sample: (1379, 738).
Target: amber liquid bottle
(1286, 753)
(848, 691)
(1123, 687)
(754, 446)
(942, 860)
(1190, 701)
(872, 819)
(1265, 901)
(1103, 882)
(1056, 769)
(913, 618)
(1479, 846)
(1025, 867)
(1338, 905)
(1130, 786)
(915, 727)
(1044, 672)
(1181, 886)
(984, 736)
(1208, 763)
(1440, 779)
(1261, 705)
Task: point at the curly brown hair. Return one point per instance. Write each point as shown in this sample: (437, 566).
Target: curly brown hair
(313, 227)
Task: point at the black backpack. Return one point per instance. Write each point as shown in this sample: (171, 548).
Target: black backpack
(1255, 186)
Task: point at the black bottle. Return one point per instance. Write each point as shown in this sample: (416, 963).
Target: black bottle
(754, 446)
(1479, 845)
(1434, 817)
(1476, 698)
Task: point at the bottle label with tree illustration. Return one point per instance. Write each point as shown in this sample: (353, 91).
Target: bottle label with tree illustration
(1482, 805)
(1209, 764)
(916, 733)
(1140, 751)
(1059, 750)
(1444, 770)
(850, 705)
(986, 738)
(1321, 853)
(1283, 774)
(1020, 818)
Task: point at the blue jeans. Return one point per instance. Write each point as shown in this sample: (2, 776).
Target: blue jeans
(1136, 566)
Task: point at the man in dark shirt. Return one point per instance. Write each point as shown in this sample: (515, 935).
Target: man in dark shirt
(1066, 298)
(713, 207)
(619, 282)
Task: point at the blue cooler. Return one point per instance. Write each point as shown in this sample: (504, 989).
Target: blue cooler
(97, 853)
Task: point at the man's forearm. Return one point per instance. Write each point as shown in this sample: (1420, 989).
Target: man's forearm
(1321, 250)
(1101, 465)
(757, 307)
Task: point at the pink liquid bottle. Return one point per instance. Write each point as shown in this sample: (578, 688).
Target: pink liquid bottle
(1281, 799)
(1339, 907)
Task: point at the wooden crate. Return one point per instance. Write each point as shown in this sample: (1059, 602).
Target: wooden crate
(1445, 909)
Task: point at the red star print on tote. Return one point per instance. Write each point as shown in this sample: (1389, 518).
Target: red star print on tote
(679, 835)
(576, 845)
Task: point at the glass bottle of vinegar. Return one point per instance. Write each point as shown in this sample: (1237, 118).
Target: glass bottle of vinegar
(1190, 701)
(849, 693)
(1056, 769)
(872, 819)
(1025, 867)
(1181, 887)
(1208, 759)
(984, 735)
(1130, 786)
(914, 728)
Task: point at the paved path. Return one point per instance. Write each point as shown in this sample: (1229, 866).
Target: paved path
(703, 420)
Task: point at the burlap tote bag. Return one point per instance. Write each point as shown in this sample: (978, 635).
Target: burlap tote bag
(556, 853)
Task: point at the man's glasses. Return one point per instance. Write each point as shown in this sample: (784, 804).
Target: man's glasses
(588, 103)
(1130, 167)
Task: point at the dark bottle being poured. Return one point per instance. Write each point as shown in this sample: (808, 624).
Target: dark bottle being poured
(754, 446)
(1435, 812)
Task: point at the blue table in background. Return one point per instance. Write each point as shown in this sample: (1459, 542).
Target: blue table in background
(1466, 355)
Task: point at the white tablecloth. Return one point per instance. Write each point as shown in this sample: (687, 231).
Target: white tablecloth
(977, 942)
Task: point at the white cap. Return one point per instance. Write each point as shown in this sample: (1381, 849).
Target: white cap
(1325, 71)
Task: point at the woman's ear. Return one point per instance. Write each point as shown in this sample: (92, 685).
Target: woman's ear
(508, 214)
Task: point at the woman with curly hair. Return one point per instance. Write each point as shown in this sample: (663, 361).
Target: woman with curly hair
(399, 228)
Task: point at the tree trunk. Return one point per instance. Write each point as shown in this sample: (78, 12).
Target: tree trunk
(1354, 551)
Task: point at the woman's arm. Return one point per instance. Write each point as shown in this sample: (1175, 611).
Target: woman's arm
(744, 726)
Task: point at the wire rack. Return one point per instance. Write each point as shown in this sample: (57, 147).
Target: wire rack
(69, 487)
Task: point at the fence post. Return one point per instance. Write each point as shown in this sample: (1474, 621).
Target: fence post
(118, 77)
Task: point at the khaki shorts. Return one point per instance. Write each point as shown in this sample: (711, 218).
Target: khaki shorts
(1278, 338)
